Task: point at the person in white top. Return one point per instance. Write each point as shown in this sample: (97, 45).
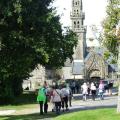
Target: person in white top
(93, 90)
(101, 90)
(84, 88)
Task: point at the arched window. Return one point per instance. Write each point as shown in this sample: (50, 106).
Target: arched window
(74, 24)
(76, 3)
(77, 11)
(74, 12)
(78, 24)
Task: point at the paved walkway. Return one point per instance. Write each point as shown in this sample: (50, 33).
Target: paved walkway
(109, 101)
(7, 112)
(77, 104)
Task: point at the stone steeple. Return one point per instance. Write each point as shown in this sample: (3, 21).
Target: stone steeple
(77, 18)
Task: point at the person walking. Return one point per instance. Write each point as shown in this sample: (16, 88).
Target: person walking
(110, 86)
(47, 90)
(51, 99)
(101, 90)
(93, 90)
(73, 87)
(56, 99)
(88, 90)
(41, 98)
(77, 86)
(65, 95)
(84, 88)
(70, 95)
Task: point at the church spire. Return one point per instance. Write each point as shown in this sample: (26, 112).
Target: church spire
(77, 18)
(81, 5)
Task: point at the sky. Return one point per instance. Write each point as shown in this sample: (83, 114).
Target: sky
(95, 12)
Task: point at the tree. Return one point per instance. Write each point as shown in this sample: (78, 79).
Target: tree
(111, 36)
(30, 34)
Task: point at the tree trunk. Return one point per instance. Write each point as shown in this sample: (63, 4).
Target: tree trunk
(118, 104)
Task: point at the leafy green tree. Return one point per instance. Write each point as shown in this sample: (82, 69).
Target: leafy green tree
(30, 34)
(110, 23)
(111, 34)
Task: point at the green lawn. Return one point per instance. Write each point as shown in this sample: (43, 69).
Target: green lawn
(99, 114)
(28, 117)
(26, 100)
(18, 107)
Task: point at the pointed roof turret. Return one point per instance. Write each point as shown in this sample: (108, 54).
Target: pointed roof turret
(81, 4)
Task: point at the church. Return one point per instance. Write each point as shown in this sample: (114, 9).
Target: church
(88, 62)
(76, 68)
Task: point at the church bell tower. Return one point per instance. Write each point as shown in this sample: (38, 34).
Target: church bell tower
(77, 19)
(76, 70)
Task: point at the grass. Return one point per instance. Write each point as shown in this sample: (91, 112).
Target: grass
(26, 100)
(17, 107)
(28, 117)
(98, 114)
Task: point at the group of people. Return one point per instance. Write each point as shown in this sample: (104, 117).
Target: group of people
(95, 90)
(75, 87)
(59, 96)
(86, 89)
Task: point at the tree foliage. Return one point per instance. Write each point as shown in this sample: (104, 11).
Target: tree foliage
(30, 34)
(112, 32)
(110, 26)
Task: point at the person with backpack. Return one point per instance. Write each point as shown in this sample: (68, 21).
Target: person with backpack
(56, 99)
(41, 99)
(65, 95)
(70, 95)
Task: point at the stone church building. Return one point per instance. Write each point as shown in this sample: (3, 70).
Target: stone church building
(86, 63)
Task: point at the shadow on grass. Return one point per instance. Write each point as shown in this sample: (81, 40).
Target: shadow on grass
(50, 115)
(35, 116)
(26, 98)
